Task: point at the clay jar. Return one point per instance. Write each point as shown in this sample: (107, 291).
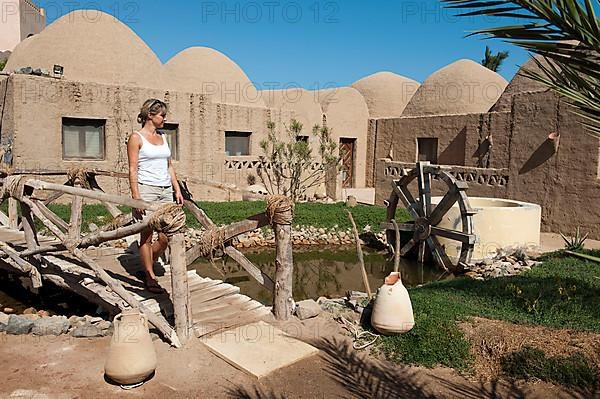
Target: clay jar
(392, 310)
(131, 356)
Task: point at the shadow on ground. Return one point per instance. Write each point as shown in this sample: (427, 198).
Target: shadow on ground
(348, 373)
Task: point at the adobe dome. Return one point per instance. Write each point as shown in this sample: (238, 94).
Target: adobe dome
(304, 104)
(100, 50)
(463, 87)
(208, 71)
(519, 84)
(386, 93)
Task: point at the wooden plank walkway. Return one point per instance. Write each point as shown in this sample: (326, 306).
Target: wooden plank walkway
(215, 305)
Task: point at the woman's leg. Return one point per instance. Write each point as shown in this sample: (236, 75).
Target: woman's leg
(159, 246)
(146, 253)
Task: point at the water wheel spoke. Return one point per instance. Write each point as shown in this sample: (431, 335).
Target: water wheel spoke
(444, 206)
(401, 226)
(409, 201)
(453, 235)
(424, 181)
(439, 254)
(422, 252)
(408, 246)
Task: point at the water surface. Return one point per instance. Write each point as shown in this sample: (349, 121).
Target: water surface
(319, 272)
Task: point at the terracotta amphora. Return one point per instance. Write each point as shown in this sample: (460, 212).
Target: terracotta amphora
(131, 356)
(392, 311)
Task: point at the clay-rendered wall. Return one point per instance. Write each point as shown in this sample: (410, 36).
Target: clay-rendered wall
(32, 19)
(40, 103)
(565, 183)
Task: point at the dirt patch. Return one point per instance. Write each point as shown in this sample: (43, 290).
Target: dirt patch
(491, 340)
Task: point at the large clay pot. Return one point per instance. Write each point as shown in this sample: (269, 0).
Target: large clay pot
(131, 356)
(392, 311)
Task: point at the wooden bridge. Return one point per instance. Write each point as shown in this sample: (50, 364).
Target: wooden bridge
(192, 305)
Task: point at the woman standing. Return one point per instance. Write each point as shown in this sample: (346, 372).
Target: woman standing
(152, 178)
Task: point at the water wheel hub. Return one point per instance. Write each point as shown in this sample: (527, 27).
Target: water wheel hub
(422, 229)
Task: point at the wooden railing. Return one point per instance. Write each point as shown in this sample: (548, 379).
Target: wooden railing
(27, 191)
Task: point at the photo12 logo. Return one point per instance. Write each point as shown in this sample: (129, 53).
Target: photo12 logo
(92, 12)
(270, 11)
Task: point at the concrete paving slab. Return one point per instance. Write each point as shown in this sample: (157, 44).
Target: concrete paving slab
(258, 348)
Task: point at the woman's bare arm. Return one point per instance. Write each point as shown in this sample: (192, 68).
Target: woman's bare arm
(133, 154)
(175, 183)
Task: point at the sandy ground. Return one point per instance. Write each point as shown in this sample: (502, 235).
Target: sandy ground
(65, 367)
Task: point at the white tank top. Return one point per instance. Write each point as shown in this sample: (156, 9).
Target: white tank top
(153, 167)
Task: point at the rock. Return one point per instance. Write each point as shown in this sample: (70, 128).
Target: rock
(43, 313)
(9, 310)
(18, 325)
(471, 275)
(4, 318)
(351, 201)
(29, 311)
(307, 309)
(55, 325)
(87, 331)
(32, 317)
(104, 325)
(95, 320)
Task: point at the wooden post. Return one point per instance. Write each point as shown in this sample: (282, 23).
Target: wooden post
(29, 228)
(284, 267)
(13, 214)
(179, 284)
(76, 217)
(360, 256)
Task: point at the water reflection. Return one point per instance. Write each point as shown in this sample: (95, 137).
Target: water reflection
(320, 272)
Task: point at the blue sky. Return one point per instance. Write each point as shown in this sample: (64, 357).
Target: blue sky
(311, 44)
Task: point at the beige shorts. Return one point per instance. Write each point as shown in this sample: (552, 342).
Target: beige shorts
(154, 194)
(162, 195)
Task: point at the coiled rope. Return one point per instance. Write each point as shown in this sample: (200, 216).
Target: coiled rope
(79, 174)
(211, 238)
(13, 186)
(167, 219)
(280, 210)
(357, 335)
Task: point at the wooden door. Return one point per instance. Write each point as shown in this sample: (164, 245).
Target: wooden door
(347, 149)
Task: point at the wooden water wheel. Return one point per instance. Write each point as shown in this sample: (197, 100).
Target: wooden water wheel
(426, 219)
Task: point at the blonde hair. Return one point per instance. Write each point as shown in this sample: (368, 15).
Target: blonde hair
(151, 107)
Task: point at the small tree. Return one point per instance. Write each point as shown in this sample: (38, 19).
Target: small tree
(289, 166)
(493, 61)
(3, 64)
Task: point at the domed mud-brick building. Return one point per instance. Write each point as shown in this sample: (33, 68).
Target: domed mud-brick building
(216, 120)
(494, 135)
(501, 139)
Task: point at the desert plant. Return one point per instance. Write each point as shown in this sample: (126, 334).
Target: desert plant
(251, 179)
(565, 33)
(288, 164)
(575, 242)
(493, 61)
(2, 64)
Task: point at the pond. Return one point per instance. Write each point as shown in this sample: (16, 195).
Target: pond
(319, 272)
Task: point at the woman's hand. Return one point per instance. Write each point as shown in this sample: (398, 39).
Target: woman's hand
(178, 197)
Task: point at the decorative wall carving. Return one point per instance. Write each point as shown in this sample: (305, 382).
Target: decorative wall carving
(471, 175)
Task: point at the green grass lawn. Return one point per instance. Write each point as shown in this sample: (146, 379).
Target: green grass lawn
(306, 214)
(562, 292)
